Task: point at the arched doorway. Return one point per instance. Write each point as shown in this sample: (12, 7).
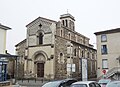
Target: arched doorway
(39, 63)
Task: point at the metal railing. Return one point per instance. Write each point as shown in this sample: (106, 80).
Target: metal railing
(112, 71)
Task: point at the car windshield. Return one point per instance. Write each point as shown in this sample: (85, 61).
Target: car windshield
(78, 85)
(52, 84)
(104, 81)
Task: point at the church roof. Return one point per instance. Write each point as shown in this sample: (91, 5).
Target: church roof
(67, 15)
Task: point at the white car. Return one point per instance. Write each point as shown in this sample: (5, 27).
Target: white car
(104, 82)
(85, 84)
(60, 83)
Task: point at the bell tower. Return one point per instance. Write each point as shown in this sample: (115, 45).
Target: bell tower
(67, 20)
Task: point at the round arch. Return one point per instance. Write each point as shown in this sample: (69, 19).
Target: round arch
(39, 58)
(40, 53)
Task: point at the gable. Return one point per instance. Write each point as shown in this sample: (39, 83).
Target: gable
(40, 24)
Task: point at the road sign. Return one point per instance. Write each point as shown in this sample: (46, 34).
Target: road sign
(104, 71)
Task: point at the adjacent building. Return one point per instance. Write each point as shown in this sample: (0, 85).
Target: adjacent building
(54, 50)
(3, 64)
(108, 53)
(3, 31)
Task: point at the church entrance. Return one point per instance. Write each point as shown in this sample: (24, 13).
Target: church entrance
(39, 63)
(40, 69)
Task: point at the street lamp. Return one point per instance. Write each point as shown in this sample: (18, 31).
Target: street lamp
(69, 51)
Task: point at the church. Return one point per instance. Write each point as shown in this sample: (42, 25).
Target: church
(54, 50)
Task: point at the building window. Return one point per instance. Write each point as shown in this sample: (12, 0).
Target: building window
(103, 38)
(69, 36)
(104, 49)
(88, 55)
(40, 38)
(63, 22)
(61, 58)
(93, 56)
(75, 52)
(104, 64)
(66, 23)
(82, 54)
(61, 33)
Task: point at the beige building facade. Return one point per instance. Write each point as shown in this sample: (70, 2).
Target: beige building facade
(54, 49)
(108, 52)
(3, 30)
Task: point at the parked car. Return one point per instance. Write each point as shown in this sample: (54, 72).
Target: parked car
(85, 84)
(104, 82)
(113, 84)
(60, 83)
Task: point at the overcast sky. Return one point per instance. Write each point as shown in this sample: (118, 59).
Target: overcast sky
(90, 15)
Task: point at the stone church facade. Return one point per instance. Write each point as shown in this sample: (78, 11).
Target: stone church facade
(52, 47)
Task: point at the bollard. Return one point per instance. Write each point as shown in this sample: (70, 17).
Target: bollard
(28, 80)
(22, 80)
(42, 80)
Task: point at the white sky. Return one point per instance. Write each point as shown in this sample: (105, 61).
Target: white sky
(90, 15)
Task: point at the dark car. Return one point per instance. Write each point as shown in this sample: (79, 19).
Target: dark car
(60, 83)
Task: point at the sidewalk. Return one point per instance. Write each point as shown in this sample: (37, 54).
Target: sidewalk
(27, 83)
(31, 83)
(13, 86)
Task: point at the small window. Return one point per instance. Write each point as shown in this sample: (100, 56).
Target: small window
(61, 58)
(63, 23)
(82, 53)
(104, 49)
(103, 38)
(61, 33)
(93, 56)
(69, 36)
(88, 55)
(66, 23)
(104, 63)
(75, 52)
(40, 38)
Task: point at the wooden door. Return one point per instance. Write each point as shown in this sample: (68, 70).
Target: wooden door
(40, 69)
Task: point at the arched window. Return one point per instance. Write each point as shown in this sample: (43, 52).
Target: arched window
(66, 23)
(69, 36)
(93, 56)
(40, 37)
(88, 55)
(61, 33)
(63, 22)
(61, 58)
(75, 52)
(82, 54)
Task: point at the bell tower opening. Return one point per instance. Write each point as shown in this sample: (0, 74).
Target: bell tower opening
(67, 20)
